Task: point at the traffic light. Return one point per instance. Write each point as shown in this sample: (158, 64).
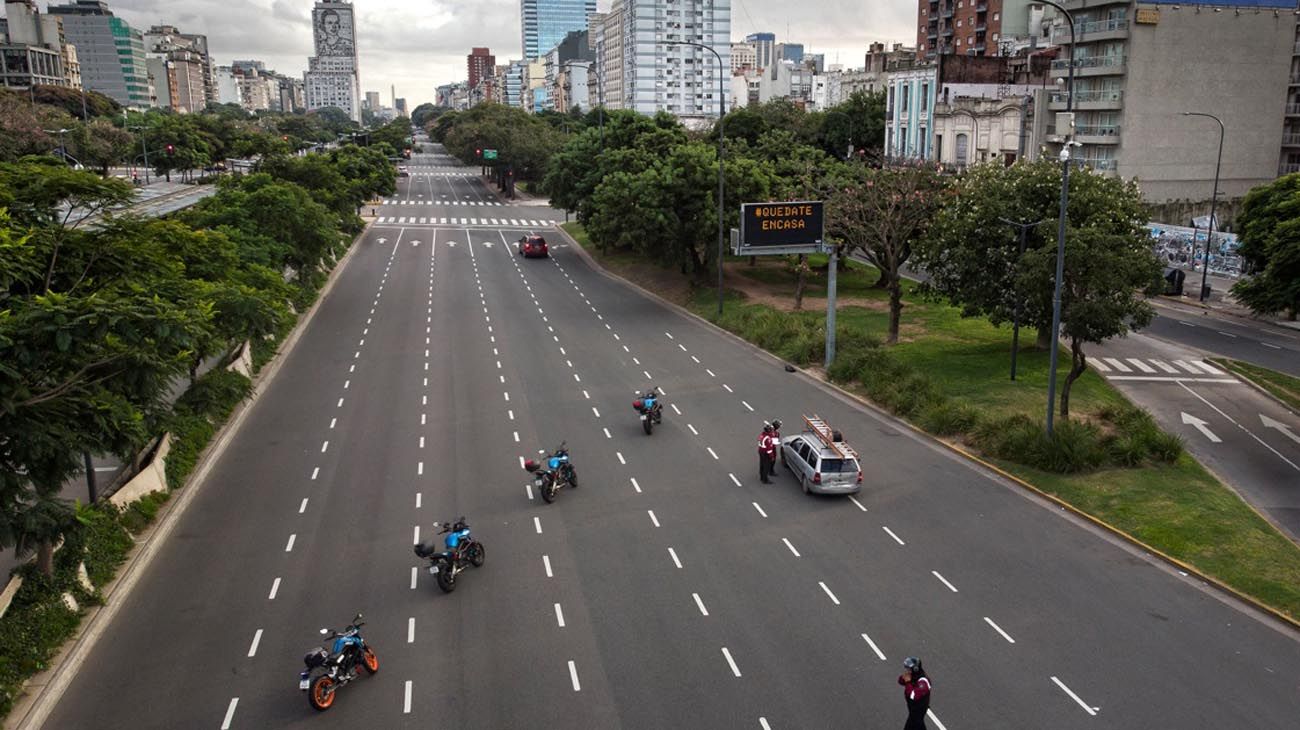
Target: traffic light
(478, 152)
(171, 149)
(284, 137)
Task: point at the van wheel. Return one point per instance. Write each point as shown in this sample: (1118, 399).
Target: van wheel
(803, 481)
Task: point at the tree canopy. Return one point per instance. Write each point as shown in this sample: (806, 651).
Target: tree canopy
(1269, 226)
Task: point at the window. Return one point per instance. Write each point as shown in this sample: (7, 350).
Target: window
(962, 142)
(996, 16)
(925, 96)
(804, 452)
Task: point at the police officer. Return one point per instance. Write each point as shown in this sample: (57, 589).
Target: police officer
(916, 691)
(766, 453)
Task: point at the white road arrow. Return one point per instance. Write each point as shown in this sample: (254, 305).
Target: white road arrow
(1282, 427)
(383, 240)
(415, 243)
(1200, 426)
(488, 244)
(451, 243)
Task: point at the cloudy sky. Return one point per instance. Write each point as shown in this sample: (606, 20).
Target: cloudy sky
(419, 44)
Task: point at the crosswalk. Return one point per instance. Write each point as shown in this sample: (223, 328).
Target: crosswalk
(395, 201)
(1135, 368)
(435, 221)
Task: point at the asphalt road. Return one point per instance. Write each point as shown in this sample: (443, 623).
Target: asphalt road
(1262, 344)
(671, 588)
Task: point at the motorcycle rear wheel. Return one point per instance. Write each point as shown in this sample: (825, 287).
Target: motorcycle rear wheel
(321, 693)
(446, 580)
(548, 490)
(648, 424)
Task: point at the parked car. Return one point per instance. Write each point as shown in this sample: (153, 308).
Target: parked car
(532, 245)
(820, 459)
(402, 171)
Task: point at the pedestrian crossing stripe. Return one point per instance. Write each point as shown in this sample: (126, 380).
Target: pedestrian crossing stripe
(1114, 368)
(512, 223)
(394, 201)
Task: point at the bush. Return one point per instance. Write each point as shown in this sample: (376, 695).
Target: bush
(106, 542)
(1165, 447)
(948, 418)
(141, 513)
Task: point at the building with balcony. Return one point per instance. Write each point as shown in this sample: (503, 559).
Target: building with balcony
(683, 80)
(1290, 157)
(110, 51)
(24, 25)
(964, 27)
(1139, 65)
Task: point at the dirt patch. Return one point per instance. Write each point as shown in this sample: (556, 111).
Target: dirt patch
(760, 292)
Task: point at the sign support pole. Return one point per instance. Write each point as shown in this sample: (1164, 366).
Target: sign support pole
(830, 305)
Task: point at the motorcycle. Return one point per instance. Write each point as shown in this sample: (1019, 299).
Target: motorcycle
(557, 473)
(462, 551)
(651, 410)
(329, 670)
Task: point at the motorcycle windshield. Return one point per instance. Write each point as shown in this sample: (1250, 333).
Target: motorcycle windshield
(554, 462)
(650, 402)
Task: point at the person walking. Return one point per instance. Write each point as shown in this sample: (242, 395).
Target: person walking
(766, 453)
(916, 691)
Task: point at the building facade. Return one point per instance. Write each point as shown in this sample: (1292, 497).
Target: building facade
(22, 66)
(227, 83)
(764, 48)
(333, 77)
(480, 64)
(189, 53)
(743, 56)
(682, 80)
(611, 64)
(970, 27)
(110, 51)
(544, 23)
(26, 26)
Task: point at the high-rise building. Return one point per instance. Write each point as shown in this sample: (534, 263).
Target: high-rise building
(764, 48)
(191, 65)
(110, 51)
(399, 104)
(792, 52)
(680, 79)
(480, 64)
(31, 36)
(966, 27)
(333, 78)
(227, 83)
(372, 101)
(516, 82)
(544, 23)
(608, 29)
(743, 56)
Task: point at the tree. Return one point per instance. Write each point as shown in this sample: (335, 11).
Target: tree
(425, 113)
(860, 119)
(882, 213)
(334, 119)
(100, 144)
(22, 127)
(70, 101)
(1270, 243)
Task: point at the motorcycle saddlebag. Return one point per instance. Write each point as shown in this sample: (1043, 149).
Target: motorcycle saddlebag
(426, 548)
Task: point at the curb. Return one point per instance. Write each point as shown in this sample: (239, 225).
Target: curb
(1252, 602)
(32, 709)
(1251, 382)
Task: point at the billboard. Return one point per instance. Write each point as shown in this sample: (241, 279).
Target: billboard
(781, 224)
(334, 29)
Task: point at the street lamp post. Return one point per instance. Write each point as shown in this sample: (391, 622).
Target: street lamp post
(144, 145)
(1015, 318)
(1060, 232)
(1214, 201)
(63, 146)
(722, 111)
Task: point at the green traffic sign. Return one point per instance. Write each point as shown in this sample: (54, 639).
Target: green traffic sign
(489, 154)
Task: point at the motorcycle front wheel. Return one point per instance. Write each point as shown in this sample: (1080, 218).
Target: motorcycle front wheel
(477, 554)
(572, 477)
(369, 660)
(648, 424)
(321, 693)
(446, 579)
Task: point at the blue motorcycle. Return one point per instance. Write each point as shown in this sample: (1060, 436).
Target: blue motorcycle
(462, 551)
(329, 670)
(558, 472)
(651, 410)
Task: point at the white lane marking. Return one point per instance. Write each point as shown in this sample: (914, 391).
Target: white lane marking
(944, 581)
(653, 519)
(647, 375)
(521, 462)
(516, 433)
(418, 497)
(621, 460)
(712, 452)
(586, 395)
(1164, 366)
(507, 395)
(230, 713)
(573, 674)
(1137, 363)
(762, 722)
(410, 630)
(275, 588)
(732, 662)
(424, 419)
(575, 377)
(1227, 334)
(673, 554)
(935, 719)
(859, 504)
(289, 547)
(528, 487)
(302, 507)
(1117, 364)
(406, 702)
(700, 604)
(511, 414)
(670, 335)
(1261, 442)
(747, 405)
(873, 646)
(728, 388)
(636, 486)
(324, 446)
(897, 539)
(559, 615)
(333, 422)
(340, 404)
(1185, 324)
(734, 479)
(1209, 368)
(1271, 345)
(546, 563)
(1189, 368)
(834, 600)
(593, 410)
(414, 572)
(422, 442)
(347, 384)
(537, 523)
(760, 509)
(675, 409)
(608, 435)
(257, 639)
(787, 544)
(998, 629)
(1086, 708)
(692, 428)
(315, 473)
(710, 372)
(696, 359)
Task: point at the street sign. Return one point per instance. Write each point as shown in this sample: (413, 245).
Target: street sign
(489, 154)
(780, 228)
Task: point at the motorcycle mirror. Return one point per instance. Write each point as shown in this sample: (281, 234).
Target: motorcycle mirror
(358, 618)
(323, 632)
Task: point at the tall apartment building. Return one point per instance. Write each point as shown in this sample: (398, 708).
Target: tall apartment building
(480, 64)
(28, 40)
(792, 52)
(333, 77)
(608, 29)
(110, 51)
(227, 83)
(544, 23)
(743, 56)
(1139, 65)
(682, 80)
(191, 65)
(967, 27)
(764, 48)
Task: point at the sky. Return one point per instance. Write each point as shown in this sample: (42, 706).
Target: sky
(418, 45)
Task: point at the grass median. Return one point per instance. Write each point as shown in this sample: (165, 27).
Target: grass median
(1280, 385)
(951, 376)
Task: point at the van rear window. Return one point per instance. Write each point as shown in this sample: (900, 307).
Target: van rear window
(839, 466)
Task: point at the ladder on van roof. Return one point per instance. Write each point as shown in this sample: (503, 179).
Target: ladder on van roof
(826, 435)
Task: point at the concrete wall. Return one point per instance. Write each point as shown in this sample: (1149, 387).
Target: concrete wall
(1233, 66)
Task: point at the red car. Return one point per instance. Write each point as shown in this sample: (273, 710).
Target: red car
(530, 246)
